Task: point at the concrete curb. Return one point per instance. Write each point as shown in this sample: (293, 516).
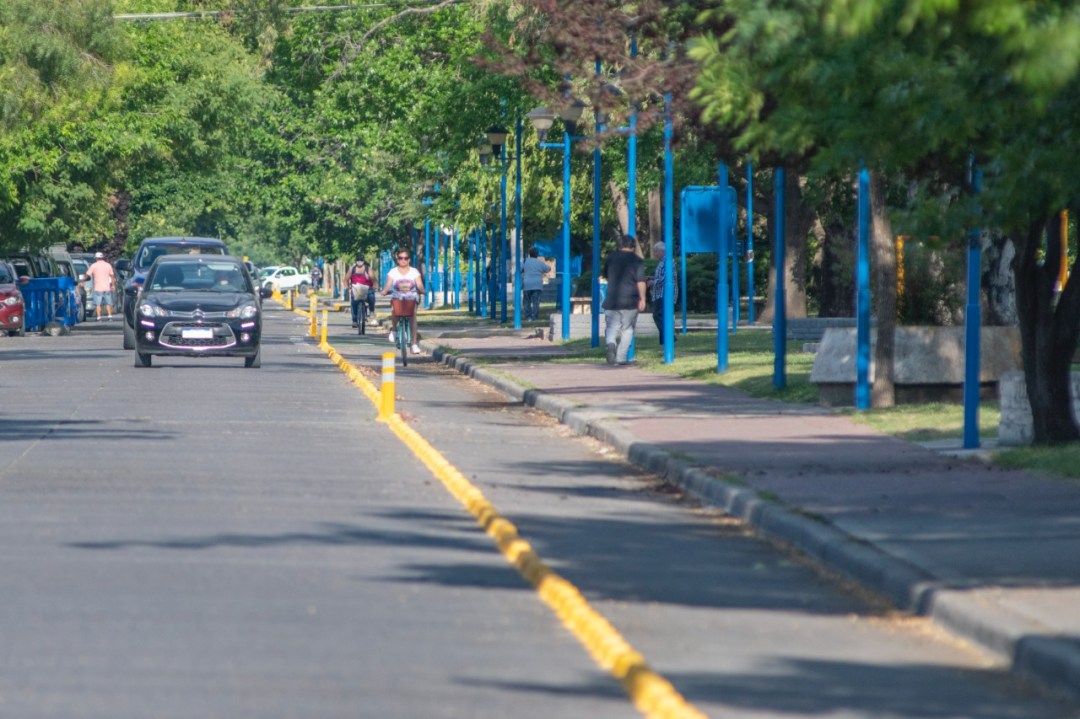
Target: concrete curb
(1052, 662)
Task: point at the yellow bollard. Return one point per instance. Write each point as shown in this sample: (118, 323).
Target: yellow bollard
(325, 321)
(313, 314)
(386, 404)
(288, 300)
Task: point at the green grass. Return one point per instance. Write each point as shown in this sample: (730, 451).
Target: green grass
(1060, 461)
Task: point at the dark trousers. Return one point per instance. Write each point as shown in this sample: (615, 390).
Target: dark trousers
(658, 318)
(532, 304)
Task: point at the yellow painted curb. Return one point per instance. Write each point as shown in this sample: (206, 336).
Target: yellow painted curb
(653, 695)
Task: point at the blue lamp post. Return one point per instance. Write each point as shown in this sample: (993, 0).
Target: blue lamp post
(542, 119)
(497, 137)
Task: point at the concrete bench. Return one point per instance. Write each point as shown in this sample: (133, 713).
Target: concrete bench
(928, 363)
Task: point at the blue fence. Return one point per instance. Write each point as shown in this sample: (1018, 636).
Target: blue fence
(50, 300)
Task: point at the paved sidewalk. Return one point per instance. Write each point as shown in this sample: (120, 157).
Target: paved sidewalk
(990, 554)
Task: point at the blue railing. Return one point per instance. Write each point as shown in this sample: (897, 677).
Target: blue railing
(50, 300)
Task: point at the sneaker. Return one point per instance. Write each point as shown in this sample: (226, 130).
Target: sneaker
(354, 324)
(611, 353)
(391, 337)
(416, 349)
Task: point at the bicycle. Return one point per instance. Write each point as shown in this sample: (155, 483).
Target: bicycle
(360, 295)
(404, 311)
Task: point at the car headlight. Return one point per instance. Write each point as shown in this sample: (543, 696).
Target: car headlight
(13, 300)
(147, 309)
(244, 312)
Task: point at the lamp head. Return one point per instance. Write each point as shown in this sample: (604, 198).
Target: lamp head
(541, 119)
(483, 149)
(497, 137)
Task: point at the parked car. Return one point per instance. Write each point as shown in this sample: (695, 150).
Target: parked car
(32, 264)
(12, 311)
(198, 306)
(286, 278)
(81, 266)
(150, 250)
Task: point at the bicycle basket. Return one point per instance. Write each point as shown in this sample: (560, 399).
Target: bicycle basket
(403, 308)
(360, 292)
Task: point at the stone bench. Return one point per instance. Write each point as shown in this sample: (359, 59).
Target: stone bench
(928, 363)
(1016, 427)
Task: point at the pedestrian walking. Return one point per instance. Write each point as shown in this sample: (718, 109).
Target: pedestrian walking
(103, 281)
(626, 294)
(657, 283)
(316, 277)
(533, 270)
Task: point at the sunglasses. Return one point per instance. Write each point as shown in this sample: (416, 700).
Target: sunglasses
(402, 257)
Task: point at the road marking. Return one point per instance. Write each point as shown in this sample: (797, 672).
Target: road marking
(653, 695)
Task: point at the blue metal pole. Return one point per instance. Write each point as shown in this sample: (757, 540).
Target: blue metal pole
(973, 325)
(457, 269)
(469, 272)
(597, 167)
(722, 297)
(669, 234)
(862, 296)
(779, 298)
(733, 253)
(481, 277)
(503, 254)
(446, 268)
(750, 242)
(518, 254)
(566, 276)
(427, 262)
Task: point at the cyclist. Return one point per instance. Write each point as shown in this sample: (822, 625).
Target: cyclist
(404, 282)
(361, 275)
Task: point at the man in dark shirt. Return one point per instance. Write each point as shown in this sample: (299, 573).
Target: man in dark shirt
(625, 273)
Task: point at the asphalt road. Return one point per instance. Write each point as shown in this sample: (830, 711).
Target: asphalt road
(197, 539)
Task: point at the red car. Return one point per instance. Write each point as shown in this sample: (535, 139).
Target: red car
(12, 316)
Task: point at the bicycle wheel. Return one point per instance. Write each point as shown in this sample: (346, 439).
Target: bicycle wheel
(361, 318)
(403, 340)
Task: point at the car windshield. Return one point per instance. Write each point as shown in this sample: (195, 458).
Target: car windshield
(6, 278)
(149, 253)
(198, 275)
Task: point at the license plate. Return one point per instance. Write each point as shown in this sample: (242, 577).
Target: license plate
(197, 333)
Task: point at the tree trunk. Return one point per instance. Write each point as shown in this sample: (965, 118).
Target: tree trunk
(998, 281)
(656, 218)
(622, 209)
(120, 204)
(798, 221)
(883, 264)
(1049, 327)
(836, 271)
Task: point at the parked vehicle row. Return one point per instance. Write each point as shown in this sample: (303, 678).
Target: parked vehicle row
(12, 309)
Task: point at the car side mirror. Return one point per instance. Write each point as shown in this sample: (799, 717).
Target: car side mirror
(82, 277)
(123, 265)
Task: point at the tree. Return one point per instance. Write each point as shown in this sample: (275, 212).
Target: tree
(913, 90)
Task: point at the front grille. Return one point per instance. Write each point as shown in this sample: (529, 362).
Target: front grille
(172, 335)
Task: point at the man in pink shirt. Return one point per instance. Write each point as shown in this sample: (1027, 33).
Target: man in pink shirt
(102, 278)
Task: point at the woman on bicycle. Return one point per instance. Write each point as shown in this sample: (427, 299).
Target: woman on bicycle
(361, 275)
(404, 282)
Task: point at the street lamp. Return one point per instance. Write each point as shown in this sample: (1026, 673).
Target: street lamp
(542, 119)
(497, 137)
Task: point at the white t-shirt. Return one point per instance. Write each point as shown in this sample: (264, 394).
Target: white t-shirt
(403, 283)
